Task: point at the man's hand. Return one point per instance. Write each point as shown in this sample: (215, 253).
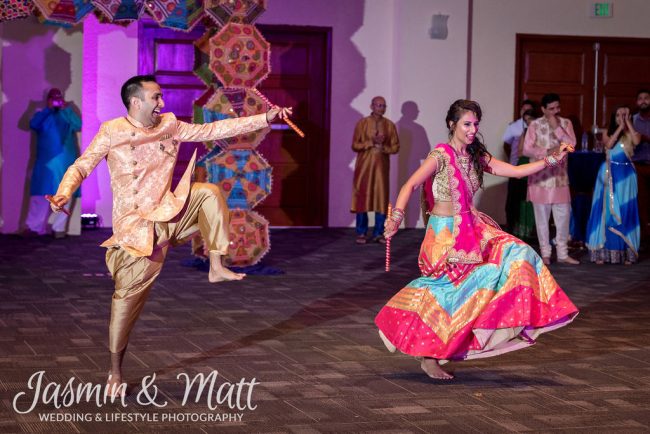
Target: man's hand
(57, 202)
(278, 112)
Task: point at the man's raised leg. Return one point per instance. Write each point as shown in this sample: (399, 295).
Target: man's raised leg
(207, 211)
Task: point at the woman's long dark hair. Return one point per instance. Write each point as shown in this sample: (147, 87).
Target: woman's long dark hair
(477, 150)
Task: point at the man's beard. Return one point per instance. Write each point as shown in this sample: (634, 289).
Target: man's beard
(644, 108)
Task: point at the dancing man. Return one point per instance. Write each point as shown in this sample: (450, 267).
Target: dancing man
(141, 149)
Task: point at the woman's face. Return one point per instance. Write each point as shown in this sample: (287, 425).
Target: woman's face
(621, 114)
(466, 128)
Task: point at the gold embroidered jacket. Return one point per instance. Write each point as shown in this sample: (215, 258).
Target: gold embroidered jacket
(141, 162)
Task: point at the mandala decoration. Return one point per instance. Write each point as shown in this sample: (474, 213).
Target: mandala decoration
(202, 59)
(201, 115)
(176, 14)
(243, 176)
(249, 238)
(223, 12)
(120, 10)
(235, 103)
(239, 55)
(15, 9)
(67, 12)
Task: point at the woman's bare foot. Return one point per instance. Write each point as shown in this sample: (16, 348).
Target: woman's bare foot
(219, 273)
(433, 369)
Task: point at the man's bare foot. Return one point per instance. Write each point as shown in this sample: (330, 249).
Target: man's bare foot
(114, 387)
(219, 273)
(433, 369)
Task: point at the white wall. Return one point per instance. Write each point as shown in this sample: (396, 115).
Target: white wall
(496, 23)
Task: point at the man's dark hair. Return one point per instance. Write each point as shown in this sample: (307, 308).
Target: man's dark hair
(527, 101)
(529, 112)
(640, 91)
(133, 87)
(549, 98)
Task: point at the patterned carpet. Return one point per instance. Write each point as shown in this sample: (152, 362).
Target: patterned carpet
(307, 337)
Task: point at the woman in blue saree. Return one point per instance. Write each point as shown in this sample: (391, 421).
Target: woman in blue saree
(613, 232)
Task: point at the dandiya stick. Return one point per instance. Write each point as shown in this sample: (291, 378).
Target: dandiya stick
(60, 208)
(390, 209)
(286, 120)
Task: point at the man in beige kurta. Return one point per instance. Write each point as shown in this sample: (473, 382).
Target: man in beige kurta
(141, 150)
(375, 138)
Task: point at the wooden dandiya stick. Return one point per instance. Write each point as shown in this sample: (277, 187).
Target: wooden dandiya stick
(286, 120)
(60, 208)
(390, 209)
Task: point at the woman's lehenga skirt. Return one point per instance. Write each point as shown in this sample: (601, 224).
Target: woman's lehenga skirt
(613, 230)
(457, 312)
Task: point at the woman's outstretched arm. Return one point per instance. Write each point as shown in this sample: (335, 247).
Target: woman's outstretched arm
(501, 168)
(426, 169)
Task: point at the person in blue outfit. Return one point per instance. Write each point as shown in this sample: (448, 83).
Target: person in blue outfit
(613, 233)
(56, 128)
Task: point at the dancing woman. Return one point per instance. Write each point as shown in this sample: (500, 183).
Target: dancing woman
(482, 292)
(613, 230)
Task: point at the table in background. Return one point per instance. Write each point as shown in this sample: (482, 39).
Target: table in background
(583, 170)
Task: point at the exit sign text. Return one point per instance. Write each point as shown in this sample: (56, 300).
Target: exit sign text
(601, 10)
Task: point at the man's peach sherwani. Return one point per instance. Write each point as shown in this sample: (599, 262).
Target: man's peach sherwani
(141, 161)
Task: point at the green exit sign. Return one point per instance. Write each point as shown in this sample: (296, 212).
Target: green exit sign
(602, 10)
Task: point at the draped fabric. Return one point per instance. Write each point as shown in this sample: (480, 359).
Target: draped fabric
(613, 230)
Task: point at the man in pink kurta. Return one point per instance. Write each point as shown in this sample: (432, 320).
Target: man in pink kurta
(548, 189)
(141, 150)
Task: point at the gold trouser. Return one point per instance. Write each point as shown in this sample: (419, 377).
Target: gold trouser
(206, 212)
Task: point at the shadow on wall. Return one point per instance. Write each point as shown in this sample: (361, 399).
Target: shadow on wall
(32, 64)
(414, 147)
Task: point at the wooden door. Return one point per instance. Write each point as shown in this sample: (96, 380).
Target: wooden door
(566, 65)
(169, 55)
(300, 71)
(625, 70)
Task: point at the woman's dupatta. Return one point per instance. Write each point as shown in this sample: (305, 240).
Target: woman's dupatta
(469, 225)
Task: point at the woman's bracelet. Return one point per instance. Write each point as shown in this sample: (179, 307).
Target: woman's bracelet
(552, 160)
(397, 215)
